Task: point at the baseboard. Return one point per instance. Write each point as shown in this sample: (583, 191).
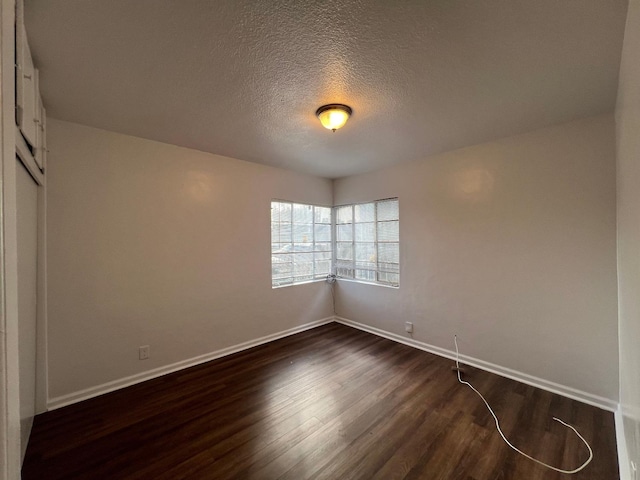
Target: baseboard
(600, 402)
(64, 400)
(584, 397)
(623, 454)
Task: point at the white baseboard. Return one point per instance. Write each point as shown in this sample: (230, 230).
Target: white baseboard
(64, 400)
(600, 402)
(623, 454)
(595, 400)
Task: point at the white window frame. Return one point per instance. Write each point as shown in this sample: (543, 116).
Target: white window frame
(314, 275)
(379, 273)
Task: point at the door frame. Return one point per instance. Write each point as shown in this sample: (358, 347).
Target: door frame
(9, 374)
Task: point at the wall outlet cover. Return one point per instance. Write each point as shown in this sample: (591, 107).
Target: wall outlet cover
(144, 352)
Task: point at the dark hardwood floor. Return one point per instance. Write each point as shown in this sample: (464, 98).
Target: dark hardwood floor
(329, 403)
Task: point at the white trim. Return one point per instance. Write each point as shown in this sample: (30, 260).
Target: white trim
(27, 159)
(621, 441)
(584, 397)
(64, 400)
(42, 363)
(315, 280)
(9, 372)
(364, 282)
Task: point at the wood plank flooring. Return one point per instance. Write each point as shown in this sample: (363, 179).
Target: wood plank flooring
(330, 403)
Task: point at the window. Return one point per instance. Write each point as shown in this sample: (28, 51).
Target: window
(300, 243)
(368, 242)
(366, 246)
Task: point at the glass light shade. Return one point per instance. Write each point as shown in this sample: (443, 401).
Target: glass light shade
(333, 116)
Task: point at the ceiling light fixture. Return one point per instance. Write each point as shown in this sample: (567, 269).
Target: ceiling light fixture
(334, 115)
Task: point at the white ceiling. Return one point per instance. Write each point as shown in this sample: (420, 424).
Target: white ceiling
(243, 78)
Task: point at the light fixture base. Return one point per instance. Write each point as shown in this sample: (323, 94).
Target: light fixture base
(334, 115)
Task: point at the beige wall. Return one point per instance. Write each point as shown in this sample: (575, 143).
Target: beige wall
(628, 143)
(152, 244)
(512, 246)
(10, 435)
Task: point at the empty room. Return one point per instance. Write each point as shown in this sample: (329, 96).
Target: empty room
(251, 239)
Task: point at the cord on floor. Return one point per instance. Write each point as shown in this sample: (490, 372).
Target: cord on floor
(455, 339)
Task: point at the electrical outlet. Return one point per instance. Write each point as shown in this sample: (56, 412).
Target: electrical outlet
(408, 327)
(144, 352)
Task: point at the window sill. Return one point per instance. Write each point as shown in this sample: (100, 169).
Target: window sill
(274, 287)
(364, 282)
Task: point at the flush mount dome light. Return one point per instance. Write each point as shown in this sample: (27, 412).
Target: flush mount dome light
(334, 115)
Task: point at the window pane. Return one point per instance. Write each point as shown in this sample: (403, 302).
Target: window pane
(366, 275)
(390, 278)
(302, 213)
(280, 212)
(323, 269)
(366, 252)
(365, 232)
(365, 212)
(387, 210)
(389, 252)
(344, 233)
(281, 267)
(302, 247)
(281, 233)
(344, 269)
(323, 215)
(344, 251)
(322, 264)
(279, 282)
(389, 267)
(322, 233)
(322, 255)
(302, 264)
(344, 214)
(388, 231)
(303, 233)
(322, 247)
(281, 247)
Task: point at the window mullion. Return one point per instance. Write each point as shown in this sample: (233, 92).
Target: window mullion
(313, 242)
(375, 239)
(353, 240)
(334, 246)
(291, 242)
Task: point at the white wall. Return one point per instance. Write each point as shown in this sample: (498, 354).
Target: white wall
(628, 144)
(10, 454)
(153, 244)
(512, 246)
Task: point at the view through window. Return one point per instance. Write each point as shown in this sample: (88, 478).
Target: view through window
(300, 243)
(368, 242)
(366, 246)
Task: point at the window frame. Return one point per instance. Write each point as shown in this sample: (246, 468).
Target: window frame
(334, 244)
(376, 242)
(314, 276)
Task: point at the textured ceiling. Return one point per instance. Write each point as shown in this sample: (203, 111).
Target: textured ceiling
(243, 78)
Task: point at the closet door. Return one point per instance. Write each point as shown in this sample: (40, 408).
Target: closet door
(27, 198)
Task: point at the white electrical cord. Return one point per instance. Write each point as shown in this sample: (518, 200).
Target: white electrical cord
(331, 280)
(455, 339)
